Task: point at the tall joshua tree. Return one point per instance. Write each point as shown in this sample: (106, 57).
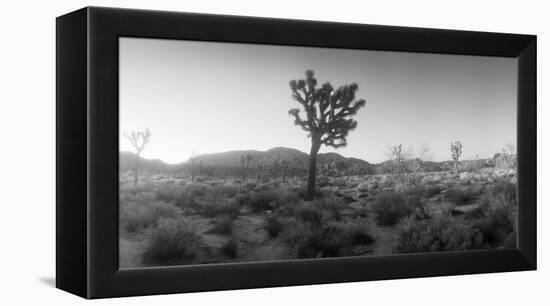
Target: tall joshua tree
(138, 140)
(456, 151)
(328, 117)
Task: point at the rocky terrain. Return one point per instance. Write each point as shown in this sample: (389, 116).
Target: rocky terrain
(171, 218)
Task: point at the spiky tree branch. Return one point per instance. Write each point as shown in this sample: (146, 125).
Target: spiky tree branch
(328, 111)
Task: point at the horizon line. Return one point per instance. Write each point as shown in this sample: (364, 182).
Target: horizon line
(263, 151)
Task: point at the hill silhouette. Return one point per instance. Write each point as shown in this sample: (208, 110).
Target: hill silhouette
(232, 159)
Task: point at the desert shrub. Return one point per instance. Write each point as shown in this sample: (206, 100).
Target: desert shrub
(358, 233)
(390, 207)
(330, 239)
(432, 190)
(322, 181)
(505, 191)
(229, 249)
(261, 201)
(294, 233)
(440, 234)
(141, 194)
(301, 192)
(460, 196)
(226, 190)
(474, 214)
(274, 225)
(197, 190)
(499, 206)
(333, 205)
(334, 239)
(178, 195)
(264, 200)
(243, 197)
(135, 217)
(173, 242)
(319, 193)
(417, 191)
(223, 225)
(417, 207)
(164, 210)
(219, 207)
(287, 198)
(496, 229)
(311, 215)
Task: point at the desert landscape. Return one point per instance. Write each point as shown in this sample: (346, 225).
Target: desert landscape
(251, 206)
(239, 153)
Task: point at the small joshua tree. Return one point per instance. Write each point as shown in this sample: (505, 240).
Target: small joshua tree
(196, 164)
(456, 151)
(246, 161)
(334, 167)
(328, 117)
(417, 161)
(281, 168)
(399, 162)
(138, 140)
(506, 159)
(261, 168)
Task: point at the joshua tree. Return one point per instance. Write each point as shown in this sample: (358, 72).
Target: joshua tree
(334, 167)
(138, 140)
(507, 158)
(328, 117)
(274, 167)
(196, 164)
(282, 167)
(399, 162)
(260, 171)
(417, 161)
(246, 161)
(456, 151)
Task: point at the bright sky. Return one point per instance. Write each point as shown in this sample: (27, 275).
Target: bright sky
(213, 97)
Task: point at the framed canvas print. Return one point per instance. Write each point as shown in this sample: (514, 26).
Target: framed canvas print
(205, 152)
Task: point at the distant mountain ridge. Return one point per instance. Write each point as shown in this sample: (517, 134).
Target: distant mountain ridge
(232, 159)
(127, 160)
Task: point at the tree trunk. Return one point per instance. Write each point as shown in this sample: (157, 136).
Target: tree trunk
(456, 167)
(315, 145)
(136, 171)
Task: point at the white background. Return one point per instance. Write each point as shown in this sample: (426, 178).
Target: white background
(27, 172)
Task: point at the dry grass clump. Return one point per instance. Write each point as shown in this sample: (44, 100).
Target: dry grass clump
(135, 217)
(313, 230)
(391, 207)
(223, 225)
(492, 225)
(173, 242)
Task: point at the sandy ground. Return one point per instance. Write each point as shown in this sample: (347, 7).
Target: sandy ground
(253, 241)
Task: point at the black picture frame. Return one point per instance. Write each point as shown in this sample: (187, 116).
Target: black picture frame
(87, 152)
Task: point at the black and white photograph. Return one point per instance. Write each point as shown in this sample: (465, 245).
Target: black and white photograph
(275, 152)
(234, 152)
